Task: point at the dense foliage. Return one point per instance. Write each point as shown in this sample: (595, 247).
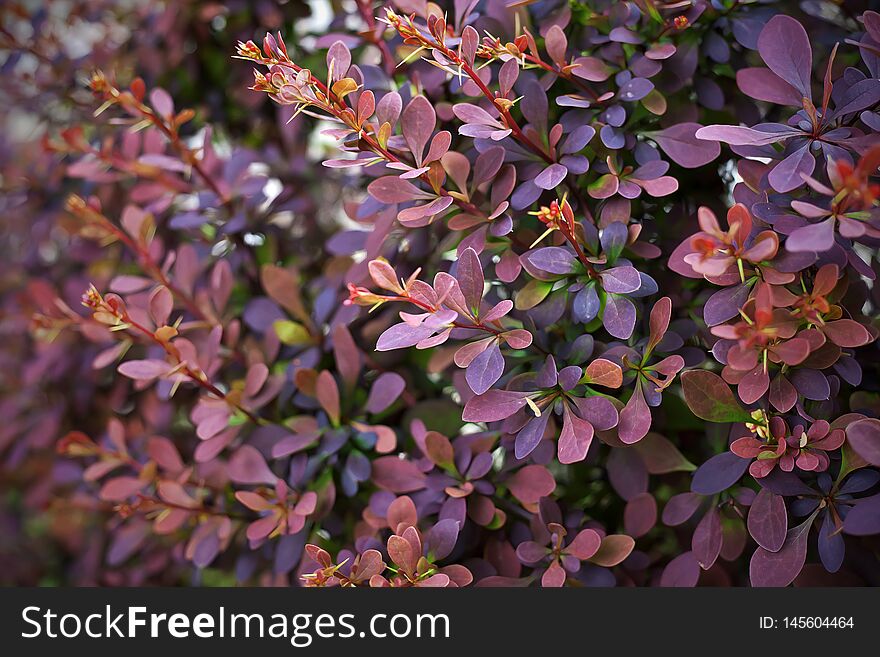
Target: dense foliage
(493, 293)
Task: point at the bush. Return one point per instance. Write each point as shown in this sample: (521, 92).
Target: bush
(556, 294)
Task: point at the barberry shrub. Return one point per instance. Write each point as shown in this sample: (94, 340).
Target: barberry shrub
(491, 294)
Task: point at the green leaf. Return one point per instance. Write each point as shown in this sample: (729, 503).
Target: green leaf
(661, 456)
(497, 520)
(710, 398)
(532, 294)
(291, 332)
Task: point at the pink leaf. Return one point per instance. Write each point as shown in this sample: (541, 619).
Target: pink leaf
(531, 483)
(144, 370)
(247, 466)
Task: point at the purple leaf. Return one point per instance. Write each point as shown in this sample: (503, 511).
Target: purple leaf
(530, 435)
(680, 143)
(777, 569)
(161, 102)
(747, 30)
(619, 316)
(126, 284)
(736, 135)
(864, 518)
(144, 370)
(627, 473)
(397, 475)
(569, 377)
(586, 304)
(832, 548)
(530, 552)
(417, 123)
(764, 84)
(552, 176)
(338, 60)
(442, 538)
(707, 539)
(469, 273)
(768, 520)
(591, 68)
(497, 311)
(485, 369)
(859, 481)
(247, 466)
(725, 304)
(293, 444)
(862, 94)
(598, 411)
(621, 279)
(470, 40)
(784, 483)
(612, 138)
(552, 259)
(635, 89)
(578, 139)
(662, 186)
(864, 437)
(327, 393)
(493, 405)
(718, 473)
(548, 375)
(635, 418)
(474, 114)
(753, 385)
(388, 108)
(391, 189)
(574, 439)
(812, 384)
(126, 541)
(487, 164)
(421, 215)
(556, 44)
(615, 549)
(785, 48)
(640, 515)
(385, 390)
(680, 508)
(683, 572)
(402, 335)
(788, 174)
(534, 105)
(613, 240)
(118, 489)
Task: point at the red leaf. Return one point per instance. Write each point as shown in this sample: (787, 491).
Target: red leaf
(602, 372)
(864, 437)
(327, 393)
(777, 569)
(531, 483)
(396, 475)
(768, 520)
(247, 466)
(707, 539)
(614, 549)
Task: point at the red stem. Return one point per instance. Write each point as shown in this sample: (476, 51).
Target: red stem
(374, 145)
(189, 372)
(366, 11)
(488, 93)
(153, 268)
